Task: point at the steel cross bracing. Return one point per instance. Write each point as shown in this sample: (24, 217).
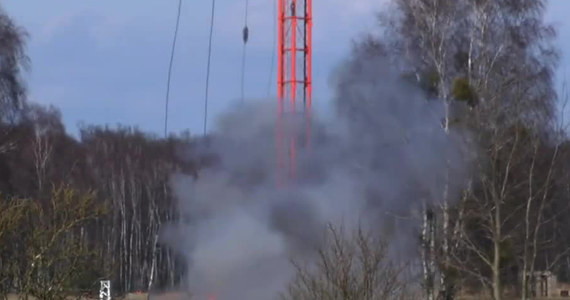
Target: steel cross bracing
(293, 83)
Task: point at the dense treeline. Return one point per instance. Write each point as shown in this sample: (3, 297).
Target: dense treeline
(126, 173)
(73, 211)
(492, 65)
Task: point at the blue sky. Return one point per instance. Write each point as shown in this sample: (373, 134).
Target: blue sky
(106, 61)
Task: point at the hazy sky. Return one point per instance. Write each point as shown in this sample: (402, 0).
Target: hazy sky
(106, 61)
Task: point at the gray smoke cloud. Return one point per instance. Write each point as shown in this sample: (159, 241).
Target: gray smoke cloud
(373, 165)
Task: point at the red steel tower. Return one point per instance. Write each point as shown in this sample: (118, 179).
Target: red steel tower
(295, 20)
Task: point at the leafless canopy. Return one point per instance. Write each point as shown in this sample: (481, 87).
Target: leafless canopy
(355, 266)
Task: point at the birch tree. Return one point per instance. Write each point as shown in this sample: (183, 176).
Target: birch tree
(494, 56)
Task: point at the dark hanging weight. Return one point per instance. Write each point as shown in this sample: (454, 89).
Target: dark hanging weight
(245, 34)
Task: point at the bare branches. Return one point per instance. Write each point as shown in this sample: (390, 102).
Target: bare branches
(351, 267)
(56, 254)
(47, 252)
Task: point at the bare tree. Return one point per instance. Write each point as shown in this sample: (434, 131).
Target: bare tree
(43, 149)
(535, 218)
(351, 267)
(56, 254)
(12, 213)
(506, 210)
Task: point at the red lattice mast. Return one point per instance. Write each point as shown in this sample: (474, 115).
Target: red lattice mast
(293, 81)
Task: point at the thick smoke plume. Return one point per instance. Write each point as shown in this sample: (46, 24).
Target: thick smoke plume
(382, 156)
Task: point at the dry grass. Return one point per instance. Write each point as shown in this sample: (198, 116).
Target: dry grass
(507, 298)
(131, 296)
(180, 296)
